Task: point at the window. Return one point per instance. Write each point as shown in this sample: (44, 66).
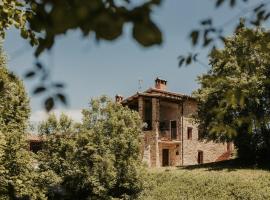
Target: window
(164, 125)
(173, 130)
(189, 133)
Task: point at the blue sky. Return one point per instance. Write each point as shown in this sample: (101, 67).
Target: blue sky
(89, 69)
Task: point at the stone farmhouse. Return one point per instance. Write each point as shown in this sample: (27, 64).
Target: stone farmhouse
(170, 134)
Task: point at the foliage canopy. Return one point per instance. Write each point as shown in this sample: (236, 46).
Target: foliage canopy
(235, 94)
(41, 21)
(18, 177)
(100, 160)
(14, 103)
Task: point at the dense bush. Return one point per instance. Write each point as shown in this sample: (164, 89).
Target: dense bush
(98, 159)
(176, 184)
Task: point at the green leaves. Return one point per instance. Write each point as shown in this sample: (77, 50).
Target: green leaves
(108, 26)
(19, 179)
(234, 95)
(18, 176)
(147, 34)
(14, 103)
(14, 13)
(98, 160)
(104, 19)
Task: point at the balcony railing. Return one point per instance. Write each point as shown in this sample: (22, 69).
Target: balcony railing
(147, 125)
(166, 132)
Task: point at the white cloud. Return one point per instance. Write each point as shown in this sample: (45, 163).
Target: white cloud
(41, 115)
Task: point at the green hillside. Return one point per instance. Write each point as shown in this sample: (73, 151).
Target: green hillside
(212, 181)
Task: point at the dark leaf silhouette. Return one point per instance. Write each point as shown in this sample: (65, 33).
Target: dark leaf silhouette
(219, 3)
(147, 34)
(266, 16)
(194, 37)
(194, 58)
(207, 41)
(49, 104)
(58, 85)
(223, 39)
(30, 74)
(39, 90)
(206, 22)
(189, 60)
(259, 7)
(39, 65)
(181, 61)
(62, 98)
(232, 3)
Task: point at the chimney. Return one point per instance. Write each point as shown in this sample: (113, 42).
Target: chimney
(160, 84)
(118, 98)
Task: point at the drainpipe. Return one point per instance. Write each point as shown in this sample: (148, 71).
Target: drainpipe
(157, 131)
(182, 135)
(157, 147)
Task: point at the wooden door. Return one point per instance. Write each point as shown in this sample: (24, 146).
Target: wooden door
(165, 157)
(200, 157)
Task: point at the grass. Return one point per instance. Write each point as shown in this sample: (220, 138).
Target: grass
(224, 180)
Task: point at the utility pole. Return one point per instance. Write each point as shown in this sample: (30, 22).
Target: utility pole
(140, 82)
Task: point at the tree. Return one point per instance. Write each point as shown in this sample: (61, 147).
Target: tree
(52, 125)
(101, 159)
(18, 176)
(14, 103)
(118, 129)
(234, 95)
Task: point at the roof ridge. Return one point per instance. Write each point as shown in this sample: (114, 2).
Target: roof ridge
(168, 92)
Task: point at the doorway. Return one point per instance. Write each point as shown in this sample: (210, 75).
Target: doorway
(200, 157)
(165, 157)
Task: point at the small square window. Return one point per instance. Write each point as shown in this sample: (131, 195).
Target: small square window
(189, 133)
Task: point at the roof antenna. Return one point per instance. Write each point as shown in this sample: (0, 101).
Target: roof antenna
(140, 84)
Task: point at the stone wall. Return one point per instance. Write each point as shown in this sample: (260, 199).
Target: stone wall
(174, 153)
(152, 147)
(211, 151)
(171, 111)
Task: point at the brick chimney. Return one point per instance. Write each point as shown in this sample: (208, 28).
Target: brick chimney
(160, 84)
(118, 98)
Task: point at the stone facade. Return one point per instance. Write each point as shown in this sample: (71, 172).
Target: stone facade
(171, 136)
